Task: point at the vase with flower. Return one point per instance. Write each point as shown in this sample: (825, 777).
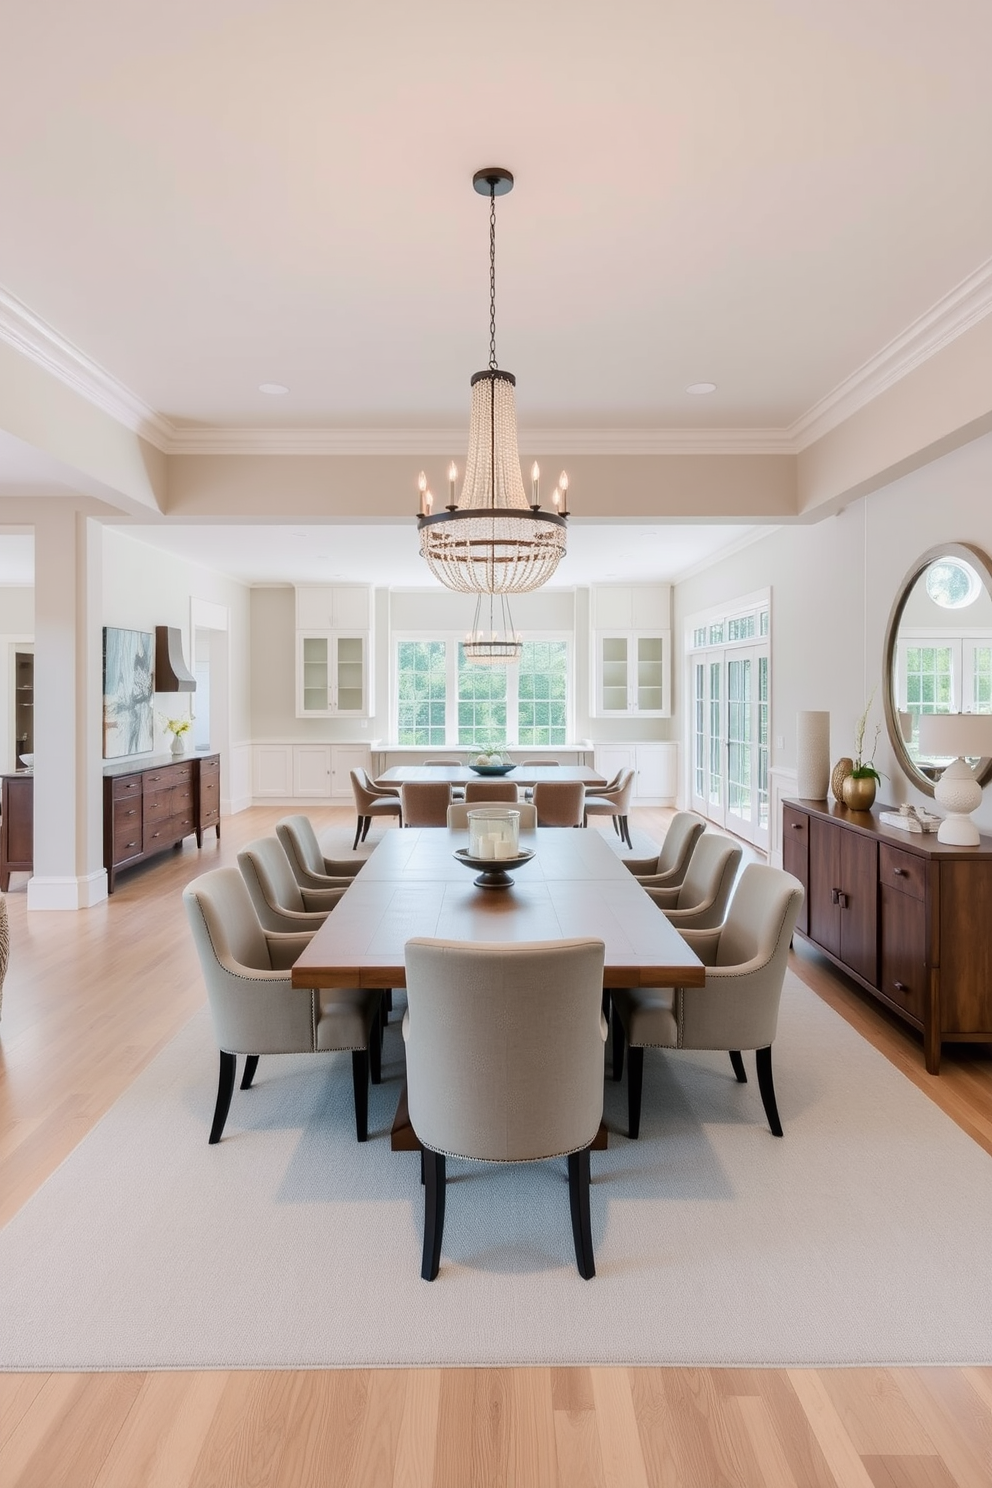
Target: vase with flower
(178, 728)
(861, 783)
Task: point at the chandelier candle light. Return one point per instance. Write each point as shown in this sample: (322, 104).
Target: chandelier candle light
(491, 540)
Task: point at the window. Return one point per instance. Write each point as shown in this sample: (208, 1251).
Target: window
(422, 684)
(443, 700)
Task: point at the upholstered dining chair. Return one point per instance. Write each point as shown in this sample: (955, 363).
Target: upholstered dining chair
(745, 960)
(538, 764)
(491, 790)
(458, 812)
(504, 1058)
(668, 869)
(310, 867)
(615, 802)
(560, 803)
(457, 791)
(254, 1006)
(371, 800)
(425, 803)
(700, 902)
(279, 901)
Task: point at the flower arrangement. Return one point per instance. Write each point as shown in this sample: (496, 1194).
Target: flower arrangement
(177, 726)
(864, 768)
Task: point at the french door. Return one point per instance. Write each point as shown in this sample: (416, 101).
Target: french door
(730, 743)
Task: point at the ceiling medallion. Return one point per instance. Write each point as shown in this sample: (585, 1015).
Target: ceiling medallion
(492, 540)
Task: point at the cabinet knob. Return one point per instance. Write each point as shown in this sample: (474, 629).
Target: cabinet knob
(900, 872)
(900, 986)
(797, 826)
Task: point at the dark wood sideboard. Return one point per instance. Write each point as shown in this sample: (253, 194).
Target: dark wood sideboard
(907, 917)
(148, 806)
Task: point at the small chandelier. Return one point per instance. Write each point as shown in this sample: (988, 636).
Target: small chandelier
(492, 540)
(500, 645)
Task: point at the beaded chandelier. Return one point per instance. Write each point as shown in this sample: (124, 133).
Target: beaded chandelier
(492, 540)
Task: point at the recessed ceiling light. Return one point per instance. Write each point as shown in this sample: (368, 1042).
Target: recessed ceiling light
(274, 389)
(699, 388)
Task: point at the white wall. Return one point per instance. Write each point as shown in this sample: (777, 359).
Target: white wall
(832, 588)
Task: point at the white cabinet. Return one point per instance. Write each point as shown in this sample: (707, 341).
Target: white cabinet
(655, 769)
(333, 650)
(307, 772)
(631, 650)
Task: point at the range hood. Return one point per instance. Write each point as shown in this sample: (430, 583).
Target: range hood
(171, 672)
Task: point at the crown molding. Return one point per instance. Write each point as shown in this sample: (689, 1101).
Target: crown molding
(29, 334)
(965, 305)
(234, 441)
(960, 309)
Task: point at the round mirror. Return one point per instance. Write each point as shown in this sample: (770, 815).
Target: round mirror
(938, 653)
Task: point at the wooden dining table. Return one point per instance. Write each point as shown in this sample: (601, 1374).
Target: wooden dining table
(520, 774)
(412, 885)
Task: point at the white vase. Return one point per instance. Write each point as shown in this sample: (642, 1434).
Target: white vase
(178, 744)
(812, 756)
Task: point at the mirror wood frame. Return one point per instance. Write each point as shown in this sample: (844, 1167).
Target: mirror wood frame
(982, 565)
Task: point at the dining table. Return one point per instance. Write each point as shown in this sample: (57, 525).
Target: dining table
(527, 775)
(413, 885)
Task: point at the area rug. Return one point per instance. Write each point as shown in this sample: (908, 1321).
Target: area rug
(861, 1237)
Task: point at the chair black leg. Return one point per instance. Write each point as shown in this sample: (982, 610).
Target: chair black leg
(738, 1063)
(225, 1089)
(635, 1083)
(626, 832)
(763, 1059)
(578, 1197)
(616, 825)
(360, 1080)
(375, 1050)
(251, 1065)
(434, 1186)
(358, 832)
(619, 1043)
(365, 829)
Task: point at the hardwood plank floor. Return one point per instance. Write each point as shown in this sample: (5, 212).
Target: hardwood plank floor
(90, 999)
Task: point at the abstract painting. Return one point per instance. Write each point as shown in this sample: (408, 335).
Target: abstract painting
(128, 657)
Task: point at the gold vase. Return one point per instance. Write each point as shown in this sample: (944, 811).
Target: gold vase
(859, 792)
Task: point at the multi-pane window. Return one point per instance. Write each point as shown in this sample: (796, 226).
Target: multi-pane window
(542, 693)
(422, 692)
(699, 729)
(443, 699)
(481, 703)
(741, 628)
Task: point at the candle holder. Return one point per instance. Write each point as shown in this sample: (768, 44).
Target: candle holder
(494, 845)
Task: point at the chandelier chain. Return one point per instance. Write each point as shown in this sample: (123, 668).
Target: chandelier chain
(493, 364)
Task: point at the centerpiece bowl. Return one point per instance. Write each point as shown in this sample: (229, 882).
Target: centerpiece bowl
(492, 769)
(496, 871)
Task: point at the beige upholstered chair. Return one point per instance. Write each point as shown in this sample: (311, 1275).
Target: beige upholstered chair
(745, 961)
(504, 1057)
(254, 1007)
(310, 868)
(614, 801)
(538, 764)
(371, 800)
(700, 903)
(668, 869)
(457, 791)
(491, 790)
(560, 803)
(425, 803)
(458, 812)
(279, 901)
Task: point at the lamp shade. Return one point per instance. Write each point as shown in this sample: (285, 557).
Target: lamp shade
(956, 735)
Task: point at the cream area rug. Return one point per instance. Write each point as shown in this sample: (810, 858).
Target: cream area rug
(860, 1237)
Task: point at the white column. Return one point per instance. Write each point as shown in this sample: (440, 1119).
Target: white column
(68, 701)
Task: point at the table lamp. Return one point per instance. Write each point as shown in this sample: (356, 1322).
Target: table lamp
(963, 736)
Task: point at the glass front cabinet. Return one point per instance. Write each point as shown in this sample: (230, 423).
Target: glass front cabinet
(333, 665)
(633, 674)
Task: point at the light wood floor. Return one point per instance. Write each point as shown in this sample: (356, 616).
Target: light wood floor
(90, 998)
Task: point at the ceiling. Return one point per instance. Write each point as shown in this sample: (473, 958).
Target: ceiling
(757, 193)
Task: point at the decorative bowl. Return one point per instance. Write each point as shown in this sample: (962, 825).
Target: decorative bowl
(27, 760)
(496, 871)
(492, 769)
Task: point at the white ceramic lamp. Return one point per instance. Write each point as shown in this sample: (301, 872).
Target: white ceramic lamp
(964, 736)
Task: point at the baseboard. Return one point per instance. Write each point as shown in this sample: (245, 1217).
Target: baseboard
(62, 893)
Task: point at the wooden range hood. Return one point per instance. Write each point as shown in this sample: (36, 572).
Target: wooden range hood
(171, 672)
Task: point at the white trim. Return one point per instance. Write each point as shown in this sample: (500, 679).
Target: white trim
(67, 892)
(546, 441)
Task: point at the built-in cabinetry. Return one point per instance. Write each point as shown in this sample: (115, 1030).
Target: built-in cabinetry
(655, 767)
(148, 806)
(23, 704)
(631, 645)
(333, 651)
(906, 916)
(308, 771)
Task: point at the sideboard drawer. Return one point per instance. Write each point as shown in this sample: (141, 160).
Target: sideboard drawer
(126, 785)
(903, 871)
